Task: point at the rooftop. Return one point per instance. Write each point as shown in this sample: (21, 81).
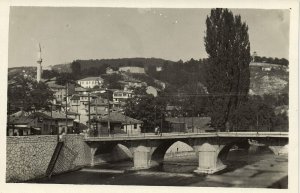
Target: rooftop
(52, 84)
(91, 78)
(100, 101)
(119, 118)
(80, 89)
(56, 115)
(123, 91)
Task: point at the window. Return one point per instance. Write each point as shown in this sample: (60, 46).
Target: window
(135, 126)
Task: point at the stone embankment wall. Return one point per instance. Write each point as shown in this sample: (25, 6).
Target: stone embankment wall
(27, 157)
(74, 154)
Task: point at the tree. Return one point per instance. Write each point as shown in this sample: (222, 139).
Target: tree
(112, 81)
(27, 94)
(65, 77)
(255, 114)
(146, 108)
(76, 68)
(48, 74)
(41, 96)
(228, 75)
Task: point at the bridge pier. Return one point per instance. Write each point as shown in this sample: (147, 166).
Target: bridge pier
(208, 160)
(141, 158)
(279, 150)
(93, 151)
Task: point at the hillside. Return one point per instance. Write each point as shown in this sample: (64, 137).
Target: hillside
(268, 78)
(113, 63)
(26, 70)
(265, 78)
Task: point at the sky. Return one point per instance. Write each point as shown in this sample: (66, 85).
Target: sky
(68, 34)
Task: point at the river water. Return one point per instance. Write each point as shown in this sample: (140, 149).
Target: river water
(175, 171)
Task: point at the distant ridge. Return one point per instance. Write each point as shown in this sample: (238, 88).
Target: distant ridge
(114, 63)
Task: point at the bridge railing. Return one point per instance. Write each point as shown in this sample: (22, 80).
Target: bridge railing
(92, 134)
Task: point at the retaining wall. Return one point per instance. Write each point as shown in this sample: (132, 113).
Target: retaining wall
(27, 157)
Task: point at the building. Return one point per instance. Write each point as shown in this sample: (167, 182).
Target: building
(267, 69)
(99, 107)
(119, 124)
(64, 123)
(132, 69)
(109, 70)
(128, 84)
(90, 82)
(37, 123)
(80, 90)
(160, 83)
(120, 96)
(151, 90)
(158, 68)
(79, 103)
(60, 92)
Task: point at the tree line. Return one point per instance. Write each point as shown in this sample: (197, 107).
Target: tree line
(270, 60)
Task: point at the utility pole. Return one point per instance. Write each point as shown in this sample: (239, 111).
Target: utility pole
(66, 110)
(126, 122)
(257, 123)
(161, 124)
(89, 109)
(108, 109)
(96, 103)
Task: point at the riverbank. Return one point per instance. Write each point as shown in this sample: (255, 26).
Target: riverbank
(259, 170)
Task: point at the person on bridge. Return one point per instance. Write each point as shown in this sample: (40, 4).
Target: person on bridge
(156, 130)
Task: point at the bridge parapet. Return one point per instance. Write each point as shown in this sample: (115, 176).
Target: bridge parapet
(148, 150)
(144, 136)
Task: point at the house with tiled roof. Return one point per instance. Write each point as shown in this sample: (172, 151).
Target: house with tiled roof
(119, 124)
(37, 123)
(64, 123)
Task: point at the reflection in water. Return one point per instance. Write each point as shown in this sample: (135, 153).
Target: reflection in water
(175, 171)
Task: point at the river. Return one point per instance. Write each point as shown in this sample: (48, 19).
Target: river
(175, 171)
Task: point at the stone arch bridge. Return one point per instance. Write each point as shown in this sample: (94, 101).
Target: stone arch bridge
(211, 149)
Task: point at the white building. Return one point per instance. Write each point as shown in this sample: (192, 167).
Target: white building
(128, 84)
(132, 69)
(109, 70)
(158, 68)
(91, 82)
(151, 90)
(120, 96)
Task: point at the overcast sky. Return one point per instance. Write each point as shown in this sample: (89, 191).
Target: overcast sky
(67, 34)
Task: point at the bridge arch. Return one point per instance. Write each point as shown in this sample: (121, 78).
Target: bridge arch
(112, 152)
(159, 153)
(223, 154)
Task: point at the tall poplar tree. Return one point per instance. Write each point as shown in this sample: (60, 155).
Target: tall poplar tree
(228, 74)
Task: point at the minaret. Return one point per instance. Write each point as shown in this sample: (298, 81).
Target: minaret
(39, 65)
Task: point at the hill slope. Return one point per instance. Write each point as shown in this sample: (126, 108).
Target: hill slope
(268, 79)
(114, 63)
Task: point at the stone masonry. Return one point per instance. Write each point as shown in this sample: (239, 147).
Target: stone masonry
(28, 156)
